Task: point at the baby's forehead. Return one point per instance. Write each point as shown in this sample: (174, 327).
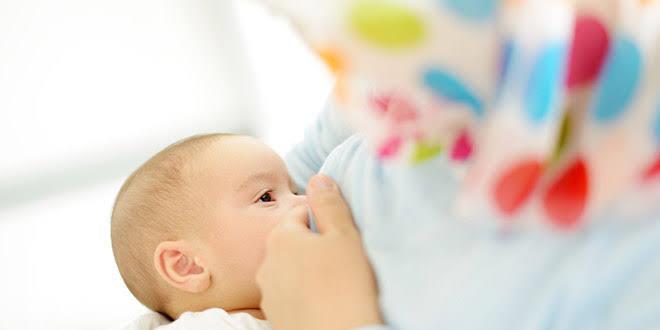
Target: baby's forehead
(233, 159)
(235, 152)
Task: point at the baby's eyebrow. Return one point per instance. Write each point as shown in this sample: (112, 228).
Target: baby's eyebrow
(256, 178)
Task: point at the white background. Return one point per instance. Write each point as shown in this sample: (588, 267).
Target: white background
(89, 89)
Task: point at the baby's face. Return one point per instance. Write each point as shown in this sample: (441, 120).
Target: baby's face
(249, 190)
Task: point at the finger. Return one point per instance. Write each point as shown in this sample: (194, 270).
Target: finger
(330, 210)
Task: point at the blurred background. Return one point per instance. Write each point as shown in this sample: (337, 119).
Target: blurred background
(89, 89)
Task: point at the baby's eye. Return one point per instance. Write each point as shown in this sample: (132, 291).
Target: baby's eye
(266, 198)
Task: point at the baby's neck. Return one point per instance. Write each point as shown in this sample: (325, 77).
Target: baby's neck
(256, 313)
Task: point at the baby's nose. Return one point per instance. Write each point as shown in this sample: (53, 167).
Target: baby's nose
(299, 200)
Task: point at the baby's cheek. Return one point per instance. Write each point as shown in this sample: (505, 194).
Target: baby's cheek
(260, 236)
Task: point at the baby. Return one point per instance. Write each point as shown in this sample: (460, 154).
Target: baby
(189, 226)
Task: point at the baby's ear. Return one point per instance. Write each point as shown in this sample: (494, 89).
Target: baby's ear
(178, 266)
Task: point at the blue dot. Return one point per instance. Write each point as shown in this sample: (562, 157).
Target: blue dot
(506, 58)
(618, 82)
(545, 83)
(657, 126)
(478, 10)
(449, 87)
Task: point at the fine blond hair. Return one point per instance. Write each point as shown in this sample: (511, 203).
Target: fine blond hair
(155, 204)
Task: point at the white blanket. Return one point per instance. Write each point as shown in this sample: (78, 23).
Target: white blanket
(214, 318)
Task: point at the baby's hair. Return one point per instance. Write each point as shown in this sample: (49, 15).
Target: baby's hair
(154, 205)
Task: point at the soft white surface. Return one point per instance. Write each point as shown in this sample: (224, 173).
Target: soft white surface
(58, 271)
(293, 84)
(213, 318)
(83, 78)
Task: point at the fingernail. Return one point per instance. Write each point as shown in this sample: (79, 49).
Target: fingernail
(321, 182)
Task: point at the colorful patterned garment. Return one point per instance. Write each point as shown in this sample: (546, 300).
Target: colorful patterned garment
(549, 109)
(435, 272)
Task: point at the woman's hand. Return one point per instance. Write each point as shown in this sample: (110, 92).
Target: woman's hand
(318, 281)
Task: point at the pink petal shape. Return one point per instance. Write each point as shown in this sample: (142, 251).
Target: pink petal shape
(463, 148)
(390, 148)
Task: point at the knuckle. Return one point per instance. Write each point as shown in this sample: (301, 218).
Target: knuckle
(347, 232)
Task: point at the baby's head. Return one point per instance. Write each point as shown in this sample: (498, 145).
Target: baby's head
(189, 226)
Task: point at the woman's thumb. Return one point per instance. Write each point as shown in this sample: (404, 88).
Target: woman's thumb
(329, 208)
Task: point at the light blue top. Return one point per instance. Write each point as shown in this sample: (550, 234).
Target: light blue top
(435, 272)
